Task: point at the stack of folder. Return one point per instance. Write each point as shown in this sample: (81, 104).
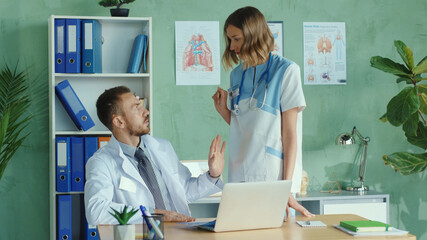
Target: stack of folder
(78, 46)
(73, 226)
(72, 154)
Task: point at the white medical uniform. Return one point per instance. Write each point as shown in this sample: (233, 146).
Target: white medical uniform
(255, 145)
(113, 181)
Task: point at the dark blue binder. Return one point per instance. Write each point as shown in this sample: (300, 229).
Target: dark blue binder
(63, 174)
(73, 106)
(73, 54)
(91, 146)
(91, 46)
(64, 217)
(77, 164)
(138, 54)
(59, 42)
(91, 233)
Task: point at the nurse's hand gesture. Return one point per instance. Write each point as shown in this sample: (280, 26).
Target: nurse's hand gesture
(220, 102)
(292, 202)
(216, 157)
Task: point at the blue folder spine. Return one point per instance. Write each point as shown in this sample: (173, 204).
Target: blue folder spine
(138, 53)
(73, 106)
(63, 174)
(91, 46)
(59, 42)
(77, 164)
(73, 52)
(91, 232)
(64, 217)
(91, 146)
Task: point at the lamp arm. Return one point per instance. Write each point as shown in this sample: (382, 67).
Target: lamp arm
(357, 133)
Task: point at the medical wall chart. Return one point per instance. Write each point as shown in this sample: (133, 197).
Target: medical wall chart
(324, 53)
(197, 53)
(276, 28)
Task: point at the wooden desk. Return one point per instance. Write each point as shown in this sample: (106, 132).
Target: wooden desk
(290, 230)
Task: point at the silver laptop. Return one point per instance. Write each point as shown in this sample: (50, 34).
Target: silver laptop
(250, 205)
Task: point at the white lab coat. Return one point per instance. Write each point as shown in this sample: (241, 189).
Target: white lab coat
(112, 181)
(255, 143)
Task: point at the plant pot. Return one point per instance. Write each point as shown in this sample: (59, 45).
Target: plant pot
(124, 232)
(119, 12)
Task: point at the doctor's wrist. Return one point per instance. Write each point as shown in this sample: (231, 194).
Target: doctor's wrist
(214, 177)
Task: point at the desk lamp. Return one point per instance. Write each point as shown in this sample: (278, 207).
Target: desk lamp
(347, 139)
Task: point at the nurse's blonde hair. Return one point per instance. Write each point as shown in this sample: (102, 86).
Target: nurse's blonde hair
(258, 42)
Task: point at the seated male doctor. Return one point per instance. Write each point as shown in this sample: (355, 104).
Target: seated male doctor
(136, 169)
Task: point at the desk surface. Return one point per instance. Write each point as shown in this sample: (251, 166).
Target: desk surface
(290, 230)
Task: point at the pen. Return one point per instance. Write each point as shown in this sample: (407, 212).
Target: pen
(151, 223)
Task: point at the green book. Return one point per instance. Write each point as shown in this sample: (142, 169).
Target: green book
(366, 226)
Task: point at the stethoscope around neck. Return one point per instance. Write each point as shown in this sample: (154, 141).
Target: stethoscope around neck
(236, 110)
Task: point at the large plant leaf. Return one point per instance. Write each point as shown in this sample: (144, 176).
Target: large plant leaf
(4, 122)
(406, 53)
(408, 80)
(406, 163)
(422, 96)
(14, 103)
(402, 106)
(411, 125)
(389, 66)
(419, 139)
(421, 66)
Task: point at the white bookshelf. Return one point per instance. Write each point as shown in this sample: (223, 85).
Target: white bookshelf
(118, 37)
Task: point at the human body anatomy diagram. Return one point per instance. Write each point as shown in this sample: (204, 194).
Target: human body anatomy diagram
(197, 55)
(324, 53)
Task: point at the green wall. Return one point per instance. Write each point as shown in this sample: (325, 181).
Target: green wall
(185, 114)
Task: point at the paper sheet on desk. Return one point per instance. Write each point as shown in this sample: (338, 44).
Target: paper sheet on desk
(313, 224)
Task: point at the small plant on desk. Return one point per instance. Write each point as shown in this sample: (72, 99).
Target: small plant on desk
(123, 216)
(124, 230)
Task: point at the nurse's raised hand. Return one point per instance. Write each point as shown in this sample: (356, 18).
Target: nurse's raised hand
(216, 157)
(220, 103)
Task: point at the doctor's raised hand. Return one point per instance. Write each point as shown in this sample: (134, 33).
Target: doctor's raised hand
(216, 157)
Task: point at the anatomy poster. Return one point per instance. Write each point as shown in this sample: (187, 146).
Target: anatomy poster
(197, 53)
(324, 53)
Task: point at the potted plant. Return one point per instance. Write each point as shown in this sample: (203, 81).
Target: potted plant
(123, 231)
(14, 118)
(407, 109)
(118, 11)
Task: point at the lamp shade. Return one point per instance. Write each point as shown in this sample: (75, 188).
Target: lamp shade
(345, 139)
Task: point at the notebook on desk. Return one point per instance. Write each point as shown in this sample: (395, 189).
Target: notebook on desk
(251, 205)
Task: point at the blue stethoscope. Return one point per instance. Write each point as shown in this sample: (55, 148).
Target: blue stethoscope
(266, 72)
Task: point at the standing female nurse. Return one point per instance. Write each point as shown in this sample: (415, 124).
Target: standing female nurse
(266, 101)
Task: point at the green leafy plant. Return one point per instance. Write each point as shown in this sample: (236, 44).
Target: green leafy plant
(124, 216)
(407, 109)
(14, 103)
(114, 3)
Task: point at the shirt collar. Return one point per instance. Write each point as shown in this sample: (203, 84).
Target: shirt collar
(129, 150)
